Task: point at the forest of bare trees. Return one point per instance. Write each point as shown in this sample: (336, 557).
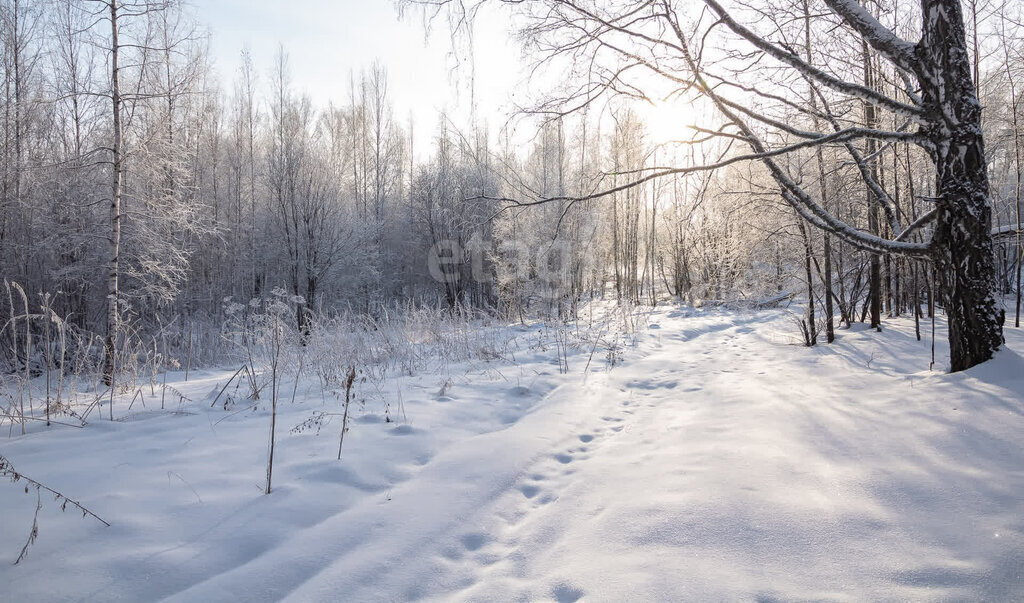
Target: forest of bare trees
(725, 306)
(142, 190)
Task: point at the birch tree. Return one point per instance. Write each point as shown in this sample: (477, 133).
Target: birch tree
(133, 43)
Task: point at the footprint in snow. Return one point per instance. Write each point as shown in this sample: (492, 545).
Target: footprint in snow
(652, 385)
(566, 593)
(520, 391)
(565, 459)
(402, 430)
(474, 541)
(585, 438)
(451, 554)
(529, 491)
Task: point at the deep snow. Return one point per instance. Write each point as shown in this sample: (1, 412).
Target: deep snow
(716, 461)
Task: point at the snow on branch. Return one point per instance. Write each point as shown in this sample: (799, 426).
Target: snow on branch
(918, 223)
(792, 193)
(880, 194)
(881, 38)
(855, 90)
(842, 136)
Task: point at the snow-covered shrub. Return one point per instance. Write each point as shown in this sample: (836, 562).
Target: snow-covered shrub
(265, 336)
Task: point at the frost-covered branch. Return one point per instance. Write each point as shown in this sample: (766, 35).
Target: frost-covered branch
(804, 204)
(855, 90)
(889, 45)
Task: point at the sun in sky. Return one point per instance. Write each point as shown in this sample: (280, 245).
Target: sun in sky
(667, 121)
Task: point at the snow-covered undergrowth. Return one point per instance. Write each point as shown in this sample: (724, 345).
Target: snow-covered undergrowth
(704, 457)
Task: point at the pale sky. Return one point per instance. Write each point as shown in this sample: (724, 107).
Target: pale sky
(328, 39)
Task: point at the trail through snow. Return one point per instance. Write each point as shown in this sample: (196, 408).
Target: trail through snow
(719, 462)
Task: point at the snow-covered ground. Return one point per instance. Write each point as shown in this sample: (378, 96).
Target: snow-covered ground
(716, 461)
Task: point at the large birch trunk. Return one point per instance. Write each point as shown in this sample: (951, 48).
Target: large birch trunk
(963, 252)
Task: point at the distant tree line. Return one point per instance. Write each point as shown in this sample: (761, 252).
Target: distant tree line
(138, 188)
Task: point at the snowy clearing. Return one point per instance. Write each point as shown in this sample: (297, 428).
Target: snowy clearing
(716, 461)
